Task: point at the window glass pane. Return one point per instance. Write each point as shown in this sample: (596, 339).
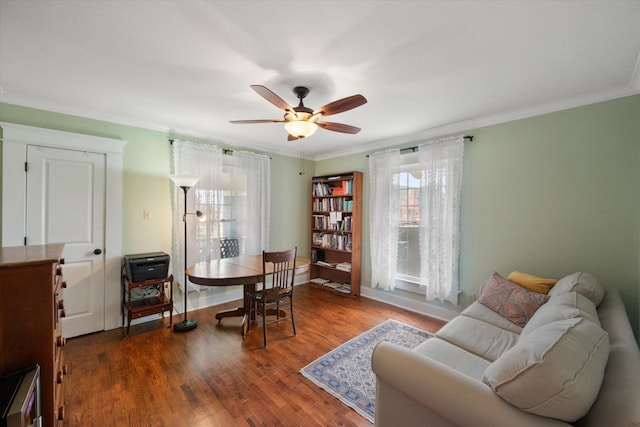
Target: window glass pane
(221, 208)
(408, 185)
(408, 252)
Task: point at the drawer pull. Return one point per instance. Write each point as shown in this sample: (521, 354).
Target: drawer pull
(63, 313)
(61, 341)
(64, 284)
(58, 271)
(59, 377)
(61, 413)
(61, 304)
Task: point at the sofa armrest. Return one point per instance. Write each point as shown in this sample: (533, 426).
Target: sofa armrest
(413, 389)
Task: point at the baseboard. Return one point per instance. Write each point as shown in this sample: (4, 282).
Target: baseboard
(408, 304)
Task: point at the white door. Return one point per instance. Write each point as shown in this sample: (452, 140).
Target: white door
(66, 204)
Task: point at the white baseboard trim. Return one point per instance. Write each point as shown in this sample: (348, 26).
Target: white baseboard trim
(408, 304)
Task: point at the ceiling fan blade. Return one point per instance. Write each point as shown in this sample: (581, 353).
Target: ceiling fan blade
(272, 97)
(292, 138)
(338, 127)
(341, 105)
(255, 121)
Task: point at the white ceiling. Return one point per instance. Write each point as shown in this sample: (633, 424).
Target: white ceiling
(427, 68)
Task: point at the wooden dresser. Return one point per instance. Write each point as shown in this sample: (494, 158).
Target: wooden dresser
(31, 289)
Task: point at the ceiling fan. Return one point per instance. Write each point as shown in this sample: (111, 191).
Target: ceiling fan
(300, 121)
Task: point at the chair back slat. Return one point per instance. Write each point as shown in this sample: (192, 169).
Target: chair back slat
(283, 265)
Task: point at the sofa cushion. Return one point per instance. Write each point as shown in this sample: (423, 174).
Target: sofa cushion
(555, 371)
(532, 282)
(582, 283)
(482, 312)
(480, 338)
(565, 306)
(511, 301)
(454, 357)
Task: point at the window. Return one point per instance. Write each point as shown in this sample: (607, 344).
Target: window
(233, 193)
(222, 210)
(414, 218)
(409, 183)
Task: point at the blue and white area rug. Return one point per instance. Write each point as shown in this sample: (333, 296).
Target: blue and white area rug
(346, 371)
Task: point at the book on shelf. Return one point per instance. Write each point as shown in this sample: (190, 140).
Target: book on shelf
(344, 288)
(327, 264)
(332, 285)
(344, 266)
(319, 280)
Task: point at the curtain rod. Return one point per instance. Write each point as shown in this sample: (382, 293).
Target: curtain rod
(224, 150)
(415, 147)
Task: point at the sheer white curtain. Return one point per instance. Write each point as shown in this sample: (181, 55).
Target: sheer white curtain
(253, 226)
(433, 178)
(441, 163)
(234, 194)
(204, 161)
(384, 217)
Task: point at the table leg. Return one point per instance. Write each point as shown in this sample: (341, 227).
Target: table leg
(238, 311)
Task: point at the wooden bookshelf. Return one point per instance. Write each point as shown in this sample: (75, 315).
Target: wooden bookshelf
(336, 230)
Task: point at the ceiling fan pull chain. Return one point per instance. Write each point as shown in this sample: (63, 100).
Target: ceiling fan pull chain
(301, 158)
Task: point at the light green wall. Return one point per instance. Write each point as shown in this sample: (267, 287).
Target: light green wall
(556, 194)
(550, 195)
(290, 204)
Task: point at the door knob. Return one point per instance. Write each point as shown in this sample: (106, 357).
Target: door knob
(97, 251)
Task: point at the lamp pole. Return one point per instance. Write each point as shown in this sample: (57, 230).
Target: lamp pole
(185, 182)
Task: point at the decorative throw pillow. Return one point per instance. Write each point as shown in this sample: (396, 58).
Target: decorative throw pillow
(511, 301)
(582, 283)
(556, 371)
(532, 282)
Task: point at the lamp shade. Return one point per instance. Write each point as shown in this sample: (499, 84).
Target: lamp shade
(184, 180)
(300, 128)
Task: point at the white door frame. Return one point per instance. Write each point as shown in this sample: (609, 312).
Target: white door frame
(15, 140)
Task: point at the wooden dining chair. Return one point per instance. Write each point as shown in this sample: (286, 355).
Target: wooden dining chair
(229, 248)
(278, 273)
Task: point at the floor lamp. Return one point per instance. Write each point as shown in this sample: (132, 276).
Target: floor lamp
(185, 182)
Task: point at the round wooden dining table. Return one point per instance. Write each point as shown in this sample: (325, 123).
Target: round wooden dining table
(243, 270)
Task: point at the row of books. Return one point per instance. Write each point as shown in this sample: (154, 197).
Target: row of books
(344, 288)
(334, 204)
(324, 222)
(324, 189)
(333, 241)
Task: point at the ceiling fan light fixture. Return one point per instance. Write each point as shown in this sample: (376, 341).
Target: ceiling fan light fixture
(300, 128)
(301, 121)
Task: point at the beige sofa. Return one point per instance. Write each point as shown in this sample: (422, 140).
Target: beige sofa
(570, 364)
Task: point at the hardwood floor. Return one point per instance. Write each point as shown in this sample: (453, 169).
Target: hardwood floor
(210, 377)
